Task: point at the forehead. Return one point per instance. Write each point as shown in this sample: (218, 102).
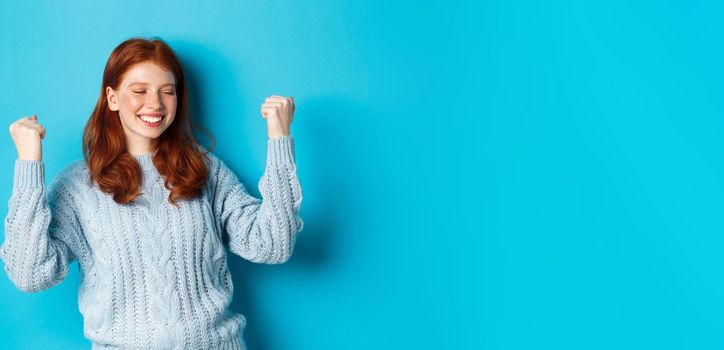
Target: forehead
(148, 73)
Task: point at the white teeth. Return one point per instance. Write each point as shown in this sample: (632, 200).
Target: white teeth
(150, 119)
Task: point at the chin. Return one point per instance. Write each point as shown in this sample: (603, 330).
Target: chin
(150, 135)
(154, 135)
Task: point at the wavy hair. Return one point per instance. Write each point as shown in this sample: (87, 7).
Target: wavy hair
(177, 156)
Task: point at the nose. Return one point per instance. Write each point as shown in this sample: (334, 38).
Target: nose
(153, 101)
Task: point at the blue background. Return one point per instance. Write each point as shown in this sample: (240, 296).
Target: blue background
(476, 175)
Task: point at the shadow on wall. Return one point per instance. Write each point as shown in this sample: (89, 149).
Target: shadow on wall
(312, 253)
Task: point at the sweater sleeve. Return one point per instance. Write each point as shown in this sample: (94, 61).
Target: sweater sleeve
(38, 229)
(262, 230)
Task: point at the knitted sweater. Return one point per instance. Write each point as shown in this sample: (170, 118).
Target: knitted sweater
(153, 276)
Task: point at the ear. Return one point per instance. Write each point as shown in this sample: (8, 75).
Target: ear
(112, 98)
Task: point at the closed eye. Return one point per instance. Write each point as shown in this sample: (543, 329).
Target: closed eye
(165, 92)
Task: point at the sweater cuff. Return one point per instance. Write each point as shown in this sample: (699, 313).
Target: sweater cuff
(29, 174)
(280, 150)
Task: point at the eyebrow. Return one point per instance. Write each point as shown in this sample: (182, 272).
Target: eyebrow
(168, 84)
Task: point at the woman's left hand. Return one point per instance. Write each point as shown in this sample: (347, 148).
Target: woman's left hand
(278, 112)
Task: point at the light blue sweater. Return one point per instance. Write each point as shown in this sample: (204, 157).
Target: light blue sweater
(153, 276)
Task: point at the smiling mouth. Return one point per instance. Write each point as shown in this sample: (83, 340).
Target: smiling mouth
(150, 120)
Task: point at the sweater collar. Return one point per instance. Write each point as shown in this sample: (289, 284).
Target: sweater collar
(146, 161)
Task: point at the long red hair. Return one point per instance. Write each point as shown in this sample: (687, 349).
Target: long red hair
(178, 157)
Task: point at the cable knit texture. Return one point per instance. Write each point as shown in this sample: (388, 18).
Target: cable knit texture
(153, 276)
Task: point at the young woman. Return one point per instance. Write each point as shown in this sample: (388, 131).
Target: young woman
(147, 212)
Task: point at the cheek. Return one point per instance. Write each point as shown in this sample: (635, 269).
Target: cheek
(170, 104)
(131, 104)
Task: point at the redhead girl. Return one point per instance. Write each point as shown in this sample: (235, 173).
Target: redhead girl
(148, 212)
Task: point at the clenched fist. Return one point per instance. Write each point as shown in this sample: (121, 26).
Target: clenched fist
(27, 133)
(278, 112)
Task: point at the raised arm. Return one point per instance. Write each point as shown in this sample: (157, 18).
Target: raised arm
(261, 230)
(40, 229)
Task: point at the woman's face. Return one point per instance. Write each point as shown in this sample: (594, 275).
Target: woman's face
(146, 103)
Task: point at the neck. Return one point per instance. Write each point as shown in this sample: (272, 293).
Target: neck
(140, 148)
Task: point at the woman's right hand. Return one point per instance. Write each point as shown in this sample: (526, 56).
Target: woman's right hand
(27, 134)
